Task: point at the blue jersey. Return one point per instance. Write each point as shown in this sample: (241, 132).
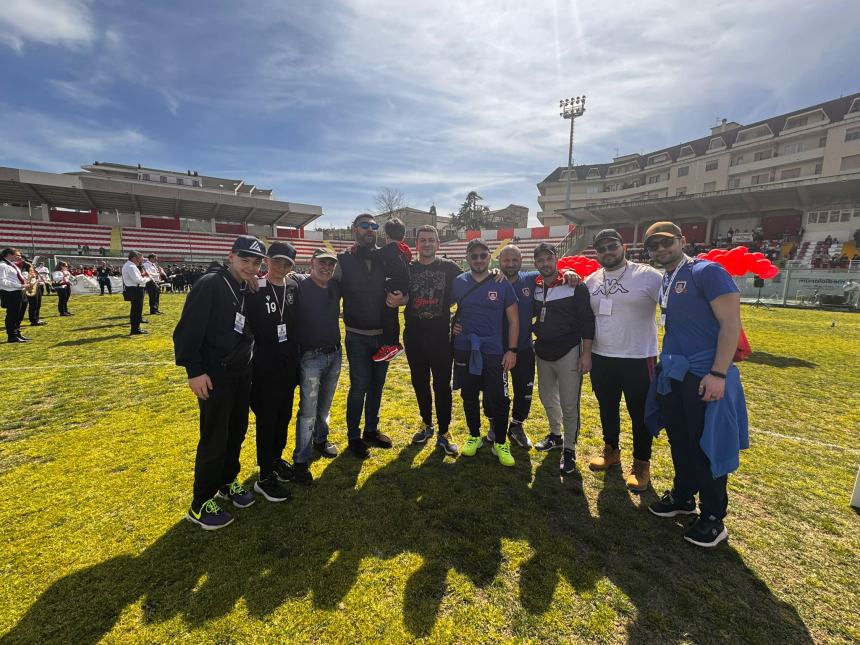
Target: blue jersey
(524, 287)
(482, 310)
(691, 326)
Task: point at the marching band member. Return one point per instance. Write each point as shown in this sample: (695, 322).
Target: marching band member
(133, 283)
(153, 288)
(12, 286)
(63, 281)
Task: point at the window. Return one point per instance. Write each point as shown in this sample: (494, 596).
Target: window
(717, 143)
(850, 163)
(763, 154)
(737, 161)
(818, 167)
(845, 216)
(822, 141)
(658, 158)
(791, 173)
(594, 188)
(834, 216)
(759, 179)
(812, 218)
(853, 134)
(683, 171)
(710, 186)
(179, 181)
(195, 183)
(796, 122)
(163, 179)
(712, 165)
(144, 177)
(687, 151)
(792, 148)
(653, 179)
(593, 173)
(754, 133)
(735, 182)
(680, 191)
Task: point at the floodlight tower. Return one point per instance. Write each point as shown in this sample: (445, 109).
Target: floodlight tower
(571, 109)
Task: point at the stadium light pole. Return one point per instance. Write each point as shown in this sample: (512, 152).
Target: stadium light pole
(571, 109)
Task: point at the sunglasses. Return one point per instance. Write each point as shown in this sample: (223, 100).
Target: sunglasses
(664, 242)
(479, 256)
(373, 226)
(613, 246)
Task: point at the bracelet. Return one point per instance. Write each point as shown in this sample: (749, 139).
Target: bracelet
(717, 374)
(512, 349)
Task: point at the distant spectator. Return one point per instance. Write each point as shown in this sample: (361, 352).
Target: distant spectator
(86, 249)
(102, 251)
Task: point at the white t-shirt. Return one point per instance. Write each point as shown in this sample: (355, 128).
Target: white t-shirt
(626, 325)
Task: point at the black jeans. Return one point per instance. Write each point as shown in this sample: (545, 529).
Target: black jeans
(523, 382)
(272, 391)
(223, 424)
(610, 378)
(154, 293)
(493, 382)
(429, 353)
(35, 306)
(136, 311)
(391, 315)
(14, 302)
(104, 283)
(63, 295)
(684, 413)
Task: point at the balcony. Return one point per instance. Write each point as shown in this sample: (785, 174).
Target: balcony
(776, 161)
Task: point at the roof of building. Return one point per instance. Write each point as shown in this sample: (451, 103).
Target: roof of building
(835, 110)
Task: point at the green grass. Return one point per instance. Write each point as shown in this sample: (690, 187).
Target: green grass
(96, 459)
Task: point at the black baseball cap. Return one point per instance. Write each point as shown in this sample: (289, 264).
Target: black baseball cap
(544, 247)
(249, 245)
(322, 253)
(607, 234)
(283, 250)
(476, 242)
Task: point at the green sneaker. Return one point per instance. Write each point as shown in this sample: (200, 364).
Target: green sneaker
(472, 445)
(503, 452)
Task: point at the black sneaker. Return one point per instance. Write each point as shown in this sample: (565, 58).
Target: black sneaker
(668, 506)
(24, 338)
(15, 339)
(138, 332)
(236, 493)
(284, 471)
(210, 516)
(567, 465)
(706, 532)
(326, 448)
(358, 448)
(272, 489)
(518, 435)
(550, 442)
(377, 440)
(302, 475)
(423, 435)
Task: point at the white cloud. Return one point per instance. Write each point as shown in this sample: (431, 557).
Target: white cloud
(63, 22)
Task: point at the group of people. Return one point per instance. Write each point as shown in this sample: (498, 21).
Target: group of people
(247, 343)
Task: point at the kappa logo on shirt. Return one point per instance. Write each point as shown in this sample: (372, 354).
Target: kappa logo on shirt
(493, 295)
(681, 286)
(610, 286)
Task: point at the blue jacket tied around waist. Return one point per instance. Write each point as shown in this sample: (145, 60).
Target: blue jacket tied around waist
(726, 430)
(476, 358)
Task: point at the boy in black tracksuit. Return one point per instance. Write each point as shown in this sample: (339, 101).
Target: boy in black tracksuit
(272, 315)
(215, 345)
(395, 256)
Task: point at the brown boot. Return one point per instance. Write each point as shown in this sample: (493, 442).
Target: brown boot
(640, 476)
(609, 457)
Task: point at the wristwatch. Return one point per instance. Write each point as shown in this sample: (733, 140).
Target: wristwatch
(512, 349)
(717, 374)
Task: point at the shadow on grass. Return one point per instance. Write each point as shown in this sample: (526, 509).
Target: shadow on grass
(87, 341)
(771, 360)
(94, 327)
(455, 516)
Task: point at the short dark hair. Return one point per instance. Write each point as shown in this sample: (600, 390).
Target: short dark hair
(133, 254)
(11, 250)
(362, 216)
(427, 228)
(395, 229)
(151, 255)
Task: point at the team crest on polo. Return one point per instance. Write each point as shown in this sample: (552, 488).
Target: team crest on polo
(681, 286)
(493, 295)
(290, 297)
(526, 292)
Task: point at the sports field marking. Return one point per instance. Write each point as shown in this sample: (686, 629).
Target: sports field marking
(812, 442)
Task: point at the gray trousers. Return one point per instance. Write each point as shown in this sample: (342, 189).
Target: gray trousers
(559, 385)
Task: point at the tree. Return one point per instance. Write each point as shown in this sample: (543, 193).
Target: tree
(471, 216)
(389, 200)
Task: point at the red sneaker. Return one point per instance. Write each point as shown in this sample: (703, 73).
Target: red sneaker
(387, 352)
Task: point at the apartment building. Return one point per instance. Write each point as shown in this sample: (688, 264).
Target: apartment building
(778, 170)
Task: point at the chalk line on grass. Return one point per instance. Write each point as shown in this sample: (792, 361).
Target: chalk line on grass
(812, 442)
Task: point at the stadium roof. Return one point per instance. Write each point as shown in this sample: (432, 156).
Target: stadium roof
(88, 191)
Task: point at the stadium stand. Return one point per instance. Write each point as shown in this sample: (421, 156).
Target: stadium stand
(456, 250)
(177, 244)
(54, 237)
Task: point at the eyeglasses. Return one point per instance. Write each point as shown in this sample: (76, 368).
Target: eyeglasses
(613, 246)
(373, 226)
(479, 256)
(665, 242)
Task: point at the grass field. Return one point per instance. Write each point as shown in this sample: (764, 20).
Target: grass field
(98, 433)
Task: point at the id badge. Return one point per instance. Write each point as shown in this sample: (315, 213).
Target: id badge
(239, 323)
(282, 333)
(662, 320)
(605, 308)
(542, 313)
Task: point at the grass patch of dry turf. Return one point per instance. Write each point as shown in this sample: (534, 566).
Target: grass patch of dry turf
(96, 457)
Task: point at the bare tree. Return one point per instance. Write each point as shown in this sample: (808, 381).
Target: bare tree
(389, 200)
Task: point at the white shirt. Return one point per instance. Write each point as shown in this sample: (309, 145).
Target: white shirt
(626, 328)
(11, 278)
(152, 270)
(131, 275)
(44, 274)
(61, 278)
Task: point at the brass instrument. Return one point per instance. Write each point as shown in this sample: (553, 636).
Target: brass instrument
(32, 286)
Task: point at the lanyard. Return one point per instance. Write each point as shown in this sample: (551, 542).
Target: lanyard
(242, 305)
(665, 289)
(281, 305)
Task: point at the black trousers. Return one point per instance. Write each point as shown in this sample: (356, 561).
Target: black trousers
(63, 295)
(104, 283)
(390, 315)
(34, 306)
(272, 393)
(523, 382)
(223, 424)
(684, 413)
(135, 295)
(14, 303)
(610, 378)
(154, 293)
(429, 354)
(493, 383)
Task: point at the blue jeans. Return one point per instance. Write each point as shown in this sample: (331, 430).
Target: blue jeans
(366, 380)
(317, 385)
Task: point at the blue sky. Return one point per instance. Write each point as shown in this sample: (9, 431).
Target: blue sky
(329, 102)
